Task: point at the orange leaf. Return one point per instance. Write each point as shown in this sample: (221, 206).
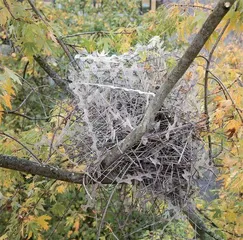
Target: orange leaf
(232, 127)
(76, 225)
(8, 87)
(7, 100)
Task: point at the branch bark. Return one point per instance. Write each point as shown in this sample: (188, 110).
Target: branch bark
(45, 170)
(169, 82)
(46, 67)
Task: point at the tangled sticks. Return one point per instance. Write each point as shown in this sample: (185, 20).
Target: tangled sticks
(112, 95)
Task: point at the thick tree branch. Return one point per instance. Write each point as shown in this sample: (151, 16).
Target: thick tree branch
(46, 67)
(45, 170)
(170, 81)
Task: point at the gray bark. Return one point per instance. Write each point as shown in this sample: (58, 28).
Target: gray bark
(45, 170)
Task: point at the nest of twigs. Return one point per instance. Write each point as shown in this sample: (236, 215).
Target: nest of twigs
(112, 93)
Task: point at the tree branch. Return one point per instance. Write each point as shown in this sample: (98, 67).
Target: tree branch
(45, 170)
(46, 67)
(169, 82)
(63, 46)
(198, 223)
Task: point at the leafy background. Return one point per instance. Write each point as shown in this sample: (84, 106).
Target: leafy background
(34, 109)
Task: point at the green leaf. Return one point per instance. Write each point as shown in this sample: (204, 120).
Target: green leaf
(58, 209)
(12, 75)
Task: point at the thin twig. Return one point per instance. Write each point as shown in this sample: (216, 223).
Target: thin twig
(193, 6)
(96, 32)
(206, 87)
(64, 47)
(226, 90)
(25, 69)
(109, 200)
(26, 148)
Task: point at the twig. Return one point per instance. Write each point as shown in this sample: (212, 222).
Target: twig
(25, 69)
(226, 90)
(206, 88)
(9, 10)
(193, 6)
(26, 148)
(96, 32)
(64, 47)
(126, 168)
(45, 170)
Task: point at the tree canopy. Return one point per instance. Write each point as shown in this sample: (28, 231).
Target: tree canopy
(119, 124)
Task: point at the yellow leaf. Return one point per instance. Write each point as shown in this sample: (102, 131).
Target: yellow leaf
(24, 59)
(61, 189)
(49, 135)
(7, 100)
(51, 36)
(239, 225)
(218, 116)
(43, 221)
(8, 87)
(69, 234)
(30, 234)
(218, 98)
(231, 216)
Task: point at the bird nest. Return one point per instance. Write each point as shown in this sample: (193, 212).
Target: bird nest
(112, 94)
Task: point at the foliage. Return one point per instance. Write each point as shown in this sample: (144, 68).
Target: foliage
(34, 112)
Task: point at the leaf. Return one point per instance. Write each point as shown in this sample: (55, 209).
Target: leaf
(8, 87)
(218, 116)
(52, 37)
(229, 162)
(4, 16)
(7, 100)
(12, 75)
(231, 216)
(225, 104)
(58, 209)
(61, 189)
(232, 127)
(76, 225)
(43, 221)
(4, 237)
